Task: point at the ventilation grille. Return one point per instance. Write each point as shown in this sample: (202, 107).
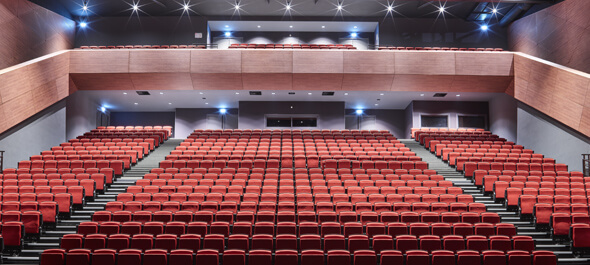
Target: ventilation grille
(143, 93)
(440, 95)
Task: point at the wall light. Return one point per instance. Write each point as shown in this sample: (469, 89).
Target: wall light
(83, 24)
(484, 27)
(222, 111)
(495, 10)
(354, 34)
(103, 109)
(359, 112)
(227, 34)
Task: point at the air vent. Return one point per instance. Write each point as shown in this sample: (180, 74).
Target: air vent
(291, 93)
(440, 95)
(255, 93)
(143, 93)
(327, 93)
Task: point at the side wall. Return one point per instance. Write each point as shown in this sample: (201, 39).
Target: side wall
(38, 133)
(81, 115)
(252, 113)
(29, 31)
(559, 33)
(451, 108)
(450, 32)
(544, 135)
(503, 118)
(386, 119)
(361, 42)
(151, 31)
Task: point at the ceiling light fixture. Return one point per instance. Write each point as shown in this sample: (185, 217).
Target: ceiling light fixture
(83, 24)
(85, 7)
(389, 8)
(346, 94)
(288, 6)
(258, 26)
(323, 27)
(290, 26)
(136, 103)
(441, 9)
(135, 7)
(339, 7)
(494, 10)
(484, 27)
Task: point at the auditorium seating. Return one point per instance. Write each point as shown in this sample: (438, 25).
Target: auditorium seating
(292, 46)
(49, 186)
(143, 47)
(536, 186)
(264, 209)
(383, 48)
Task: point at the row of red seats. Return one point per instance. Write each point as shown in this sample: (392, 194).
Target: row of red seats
(41, 186)
(352, 243)
(515, 188)
(366, 132)
(291, 257)
(115, 164)
(49, 209)
(52, 173)
(320, 206)
(459, 159)
(300, 217)
(299, 162)
(292, 46)
(109, 128)
(426, 139)
(32, 221)
(470, 167)
(543, 212)
(155, 138)
(89, 155)
(228, 179)
(527, 204)
(521, 175)
(409, 180)
(74, 193)
(437, 146)
(54, 179)
(488, 150)
(144, 47)
(382, 48)
(297, 171)
(254, 142)
(371, 229)
(147, 144)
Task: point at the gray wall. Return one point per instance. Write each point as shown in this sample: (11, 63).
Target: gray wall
(408, 113)
(451, 108)
(252, 113)
(38, 133)
(450, 32)
(142, 119)
(544, 135)
(151, 31)
(503, 118)
(187, 120)
(81, 114)
(386, 119)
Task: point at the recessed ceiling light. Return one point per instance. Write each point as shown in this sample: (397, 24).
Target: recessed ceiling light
(376, 104)
(169, 103)
(237, 93)
(309, 93)
(83, 24)
(421, 95)
(346, 94)
(136, 103)
(85, 8)
(381, 94)
(389, 8)
(355, 27)
(458, 95)
(288, 7)
(206, 103)
(124, 93)
(258, 26)
(201, 93)
(273, 93)
(290, 26)
(339, 7)
(441, 9)
(135, 7)
(227, 26)
(161, 93)
(185, 7)
(495, 10)
(237, 6)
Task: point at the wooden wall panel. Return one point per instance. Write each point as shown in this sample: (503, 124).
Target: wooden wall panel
(424, 63)
(103, 81)
(367, 82)
(217, 81)
(267, 61)
(216, 61)
(369, 62)
(165, 81)
(320, 61)
(435, 83)
(29, 31)
(484, 63)
(267, 81)
(159, 61)
(559, 33)
(322, 82)
(104, 61)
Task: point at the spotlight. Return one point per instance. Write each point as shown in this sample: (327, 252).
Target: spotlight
(237, 6)
(103, 109)
(339, 7)
(291, 26)
(354, 34)
(441, 9)
(222, 111)
(135, 7)
(83, 24)
(421, 95)
(136, 103)
(309, 93)
(85, 8)
(228, 34)
(359, 112)
(288, 7)
(355, 27)
(227, 26)
(323, 27)
(258, 26)
(346, 94)
(389, 8)
(185, 7)
(484, 27)
(458, 95)
(495, 10)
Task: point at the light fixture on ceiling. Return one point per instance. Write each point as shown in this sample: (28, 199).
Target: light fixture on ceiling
(381, 94)
(103, 109)
(494, 10)
(309, 93)
(323, 27)
(186, 7)
(169, 103)
(389, 8)
(458, 95)
(484, 27)
(258, 26)
(135, 7)
(161, 93)
(290, 26)
(421, 95)
(441, 9)
(355, 27)
(339, 7)
(136, 103)
(201, 93)
(83, 24)
(346, 94)
(206, 103)
(124, 93)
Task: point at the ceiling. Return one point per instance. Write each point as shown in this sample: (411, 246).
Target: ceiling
(167, 100)
(277, 8)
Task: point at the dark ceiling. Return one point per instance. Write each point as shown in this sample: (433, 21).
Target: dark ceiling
(301, 9)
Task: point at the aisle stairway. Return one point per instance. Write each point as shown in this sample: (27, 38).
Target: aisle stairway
(542, 239)
(50, 239)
